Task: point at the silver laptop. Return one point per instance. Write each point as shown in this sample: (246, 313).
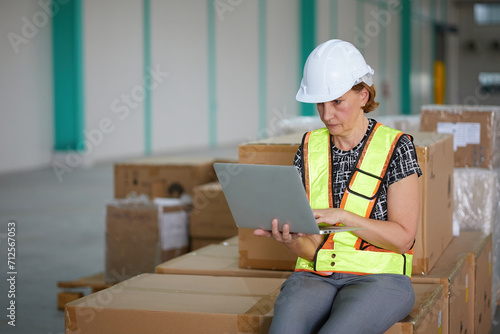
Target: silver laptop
(257, 194)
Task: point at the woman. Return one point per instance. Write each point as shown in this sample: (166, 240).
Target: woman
(358, 173)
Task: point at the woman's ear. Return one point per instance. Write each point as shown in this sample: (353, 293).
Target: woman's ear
(365, 96)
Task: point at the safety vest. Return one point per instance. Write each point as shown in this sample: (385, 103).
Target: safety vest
(345, 252)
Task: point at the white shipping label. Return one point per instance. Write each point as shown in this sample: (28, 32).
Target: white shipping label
(174, 230)
(463, 133)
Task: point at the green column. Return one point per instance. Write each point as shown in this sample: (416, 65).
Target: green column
(68, 77)
(406, 22)
(307, 43)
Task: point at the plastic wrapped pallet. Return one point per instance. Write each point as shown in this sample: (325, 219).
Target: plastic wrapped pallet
(477, 208)
(140, 234)
(476, 131)
(301, 124)
(405, 123)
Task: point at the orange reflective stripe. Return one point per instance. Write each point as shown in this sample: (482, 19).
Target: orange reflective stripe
(305, 154)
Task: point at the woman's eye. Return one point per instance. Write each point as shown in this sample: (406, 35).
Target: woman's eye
(336, 101)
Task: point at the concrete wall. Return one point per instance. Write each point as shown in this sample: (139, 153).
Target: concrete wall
(26, 126)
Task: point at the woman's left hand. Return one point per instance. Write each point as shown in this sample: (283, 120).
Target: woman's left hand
(329, 216)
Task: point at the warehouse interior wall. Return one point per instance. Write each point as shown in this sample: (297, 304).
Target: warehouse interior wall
(166, 76)
(26, 126)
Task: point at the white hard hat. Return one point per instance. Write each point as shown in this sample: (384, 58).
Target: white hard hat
(331, 70)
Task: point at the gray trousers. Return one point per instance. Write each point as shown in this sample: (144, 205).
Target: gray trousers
(341, 303)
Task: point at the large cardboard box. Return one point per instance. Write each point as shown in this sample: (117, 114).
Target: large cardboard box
(455, 272)
(220, 259)
(476, 131)
(435, 231)
(427, 315)
(481, 247)
(211, 217)
(162, 177)
(141, 235)
(271, 151)
(153, 303)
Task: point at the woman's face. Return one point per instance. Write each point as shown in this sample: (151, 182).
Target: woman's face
(344, 114)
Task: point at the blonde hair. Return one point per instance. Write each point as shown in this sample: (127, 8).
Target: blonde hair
(371, 104)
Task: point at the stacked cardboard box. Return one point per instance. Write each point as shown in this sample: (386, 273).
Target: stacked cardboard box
(140, 234)
(435, 156)
(152, 303)
(476, 131)
(162, 177)
(210, 219)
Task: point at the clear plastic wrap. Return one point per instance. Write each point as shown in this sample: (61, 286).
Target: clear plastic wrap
(298, 124)
(405, 123)
(477, 207)
(476, 131)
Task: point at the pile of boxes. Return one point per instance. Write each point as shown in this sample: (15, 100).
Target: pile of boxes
(230, 286)
(163, 208)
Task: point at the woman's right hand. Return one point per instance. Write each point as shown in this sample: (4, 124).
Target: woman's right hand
(284, 237)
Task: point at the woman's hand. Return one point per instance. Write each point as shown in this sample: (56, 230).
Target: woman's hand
(329, 216)
(284, 237)
(300, 244)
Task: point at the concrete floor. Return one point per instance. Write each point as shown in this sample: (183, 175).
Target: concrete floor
(59, 237)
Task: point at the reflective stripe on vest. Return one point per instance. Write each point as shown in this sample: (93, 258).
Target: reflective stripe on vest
(345, 252)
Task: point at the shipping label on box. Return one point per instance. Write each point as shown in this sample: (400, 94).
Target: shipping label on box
(476, 131)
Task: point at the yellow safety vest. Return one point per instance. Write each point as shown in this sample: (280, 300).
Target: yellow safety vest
(345, 252)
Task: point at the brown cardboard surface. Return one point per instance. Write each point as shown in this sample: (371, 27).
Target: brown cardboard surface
(426, 315)
(216, 260)
(162, 177)
(483, 286)
(197, 243)
(132, 241)
(483, 154)
(211, 216)
(152, 303)
(455, 271)
(435, 155)
(435, 231)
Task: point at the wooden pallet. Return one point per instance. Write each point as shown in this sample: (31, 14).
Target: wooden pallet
(72, 290)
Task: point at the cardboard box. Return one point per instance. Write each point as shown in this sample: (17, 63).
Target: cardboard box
(481, 246)
(211, 216)
(197, 243)
(153, 303)
(271, 151)
(426, 317)
(162, 177)
(215, 260)
(435, 231)
(455, 272)
(476, 132)
(141, 235)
